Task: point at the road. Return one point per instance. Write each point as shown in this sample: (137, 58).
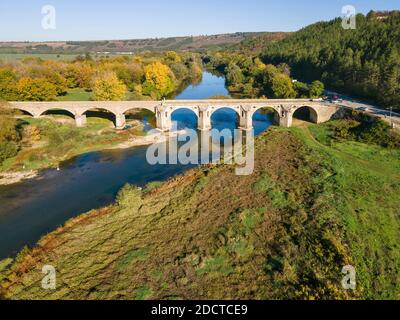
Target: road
(356, 104)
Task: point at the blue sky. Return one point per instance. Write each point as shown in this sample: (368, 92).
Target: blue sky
(130, 19)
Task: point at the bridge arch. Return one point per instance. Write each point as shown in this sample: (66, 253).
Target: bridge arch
(131, 108)
(25, 110)
(305, 113)
(58, 111)
(146, 115)
(216, 109)
(275, 111)
(222, 117)
(264, 117)
(186, 117)
(98, 112)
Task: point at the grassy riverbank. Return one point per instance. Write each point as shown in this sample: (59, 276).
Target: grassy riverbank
(311, 207)
(48, 141)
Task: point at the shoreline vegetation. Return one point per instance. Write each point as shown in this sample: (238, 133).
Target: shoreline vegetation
(30, 161)
(312, 211)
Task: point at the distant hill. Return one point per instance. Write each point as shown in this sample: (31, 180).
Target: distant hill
(258, 42)
(195, 43)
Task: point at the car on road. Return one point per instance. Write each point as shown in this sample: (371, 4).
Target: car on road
(335, 99)
(362, 109)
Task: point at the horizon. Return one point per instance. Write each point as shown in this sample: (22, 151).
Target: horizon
(151, 38)
(156, 19)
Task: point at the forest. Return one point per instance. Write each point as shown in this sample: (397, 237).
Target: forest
(364, 62)
(248, 77)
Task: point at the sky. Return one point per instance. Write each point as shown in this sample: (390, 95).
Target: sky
(21, 20)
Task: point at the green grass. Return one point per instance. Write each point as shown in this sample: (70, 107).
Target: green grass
(366, 188)
(77, 94)
(143, 293)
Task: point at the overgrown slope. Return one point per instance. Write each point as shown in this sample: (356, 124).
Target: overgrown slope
(284, 232)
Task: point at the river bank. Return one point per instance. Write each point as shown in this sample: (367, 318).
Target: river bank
(59, 141)
(12, 177)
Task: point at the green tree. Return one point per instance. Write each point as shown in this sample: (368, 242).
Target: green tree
(234, 74)
(316, 89)
(282, 87)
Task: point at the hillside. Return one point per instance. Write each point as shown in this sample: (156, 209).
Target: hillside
(284, 232)
(364, 62)
(206, 42)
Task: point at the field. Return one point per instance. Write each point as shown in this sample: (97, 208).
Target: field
(77, 94)
(205, 42)
(49, 56)
(285, 232)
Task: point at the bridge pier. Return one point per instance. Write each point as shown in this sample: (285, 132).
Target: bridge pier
(120, 121)
(246, 119)
(163, 119)
(204, 120)
(286, 120)
(80, 120)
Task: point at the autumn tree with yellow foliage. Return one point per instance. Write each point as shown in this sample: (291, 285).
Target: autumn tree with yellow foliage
(38, 89)
(107, 87)
(159, 80)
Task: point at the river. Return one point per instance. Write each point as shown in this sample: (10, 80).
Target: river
(33, 208)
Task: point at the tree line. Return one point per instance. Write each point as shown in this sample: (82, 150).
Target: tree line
(247, 76)
(364, 62)
(146, 76)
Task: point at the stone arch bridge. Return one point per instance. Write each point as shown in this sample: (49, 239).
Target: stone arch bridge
(284, 110)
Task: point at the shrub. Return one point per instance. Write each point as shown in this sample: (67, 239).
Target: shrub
(9, 135)
(8, 149)
(129, 197)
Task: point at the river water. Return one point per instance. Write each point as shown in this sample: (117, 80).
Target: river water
(33, 208)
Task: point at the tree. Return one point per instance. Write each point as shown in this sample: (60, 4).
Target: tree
(107, 87)
(9, 135)
(302, 89)
(316, 89)
(7, 85)
(234, 74)
(39, 89)
(173, 57)
(158, 80)
(282, 87)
